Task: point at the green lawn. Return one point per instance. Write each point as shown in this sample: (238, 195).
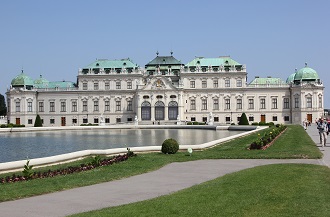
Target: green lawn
(294, 143)
(272, 190)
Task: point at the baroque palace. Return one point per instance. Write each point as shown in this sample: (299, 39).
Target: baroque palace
(165, 91)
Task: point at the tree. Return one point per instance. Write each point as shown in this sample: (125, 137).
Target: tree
(243, 120)
(38, 122)
(3, 108)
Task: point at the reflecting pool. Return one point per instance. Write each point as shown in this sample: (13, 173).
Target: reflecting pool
(23, 145)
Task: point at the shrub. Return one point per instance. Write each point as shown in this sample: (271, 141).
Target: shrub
(27, 172)
(195, 123)
(243, 120)
(261, 123)
(255, 123)
(170, 146)
(271, 124)
(38, 122)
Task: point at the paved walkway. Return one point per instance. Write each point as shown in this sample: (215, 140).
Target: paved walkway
(171, 178)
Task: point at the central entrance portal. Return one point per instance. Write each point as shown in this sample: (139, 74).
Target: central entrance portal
(159, 111)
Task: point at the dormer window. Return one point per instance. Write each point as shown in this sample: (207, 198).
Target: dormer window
(124, 64)
(97, 64)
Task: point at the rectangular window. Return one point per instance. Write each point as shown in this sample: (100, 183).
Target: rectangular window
(29, 106)
(52, 106)
(216, 119)
(63, 106)
(204, 84)
(74, 121)
(192, 104)
(129, 84)
(41, 106)
(286, 118)
(238, 83)
(227, 103)
(74, 106)
(85, 120)
(251, 118)
(192, 119)
(215, 104)
(239, 103)
(129, 105)
(96, 85)
(29, 121)
(118, 120)
(274, 118)
(274, 103)
(107, 120)
(309, 102)
(251, 104)
(296, 102)
(227, 83)
(85, 86)
(96, 105)
(107, 105)
(215, 83)
(84, 106)
(96, 120)
(129, 119)
(320, 102)
(286, 104)
(192, 84)
(107, 85)
(118, 105)
(204, 104)
(18, 106)
(227, 119)
(52, 121)
(118, 85)
(263, 103)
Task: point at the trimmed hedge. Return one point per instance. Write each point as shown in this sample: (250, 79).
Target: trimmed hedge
(170, 146)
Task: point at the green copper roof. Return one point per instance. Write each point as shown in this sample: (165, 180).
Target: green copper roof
(164, 60)
(201, 61)
(306, 74)
(22, 80)
(265, 81)
(290, 78)
(108, 64)
(40, 80)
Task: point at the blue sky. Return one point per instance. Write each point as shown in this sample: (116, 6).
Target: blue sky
(56, 38)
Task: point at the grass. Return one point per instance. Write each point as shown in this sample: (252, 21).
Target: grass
(294, 143)
(272, 190)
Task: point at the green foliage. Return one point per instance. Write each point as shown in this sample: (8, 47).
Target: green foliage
(243, 120)
(170, 146)
(255, 124)
(96, 161)
(27, 172)
(10, 125)
(38, 122)
(3, 108)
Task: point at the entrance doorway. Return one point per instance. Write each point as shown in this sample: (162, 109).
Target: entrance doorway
(263, 118)
(18, 121)
(146, 111)
(310, 118)
(172, 110)
(63, 121)
(159, 111)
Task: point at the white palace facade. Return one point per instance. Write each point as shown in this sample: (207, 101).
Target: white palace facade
(165, 91)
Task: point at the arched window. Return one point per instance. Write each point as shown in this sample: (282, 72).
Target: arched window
(172, 110)
(146, 111)
(159, 110)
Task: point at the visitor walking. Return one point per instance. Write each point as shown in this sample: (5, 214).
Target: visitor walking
(322, 126)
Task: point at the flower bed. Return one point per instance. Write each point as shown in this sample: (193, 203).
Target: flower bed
(28, 174)
(263, 142)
